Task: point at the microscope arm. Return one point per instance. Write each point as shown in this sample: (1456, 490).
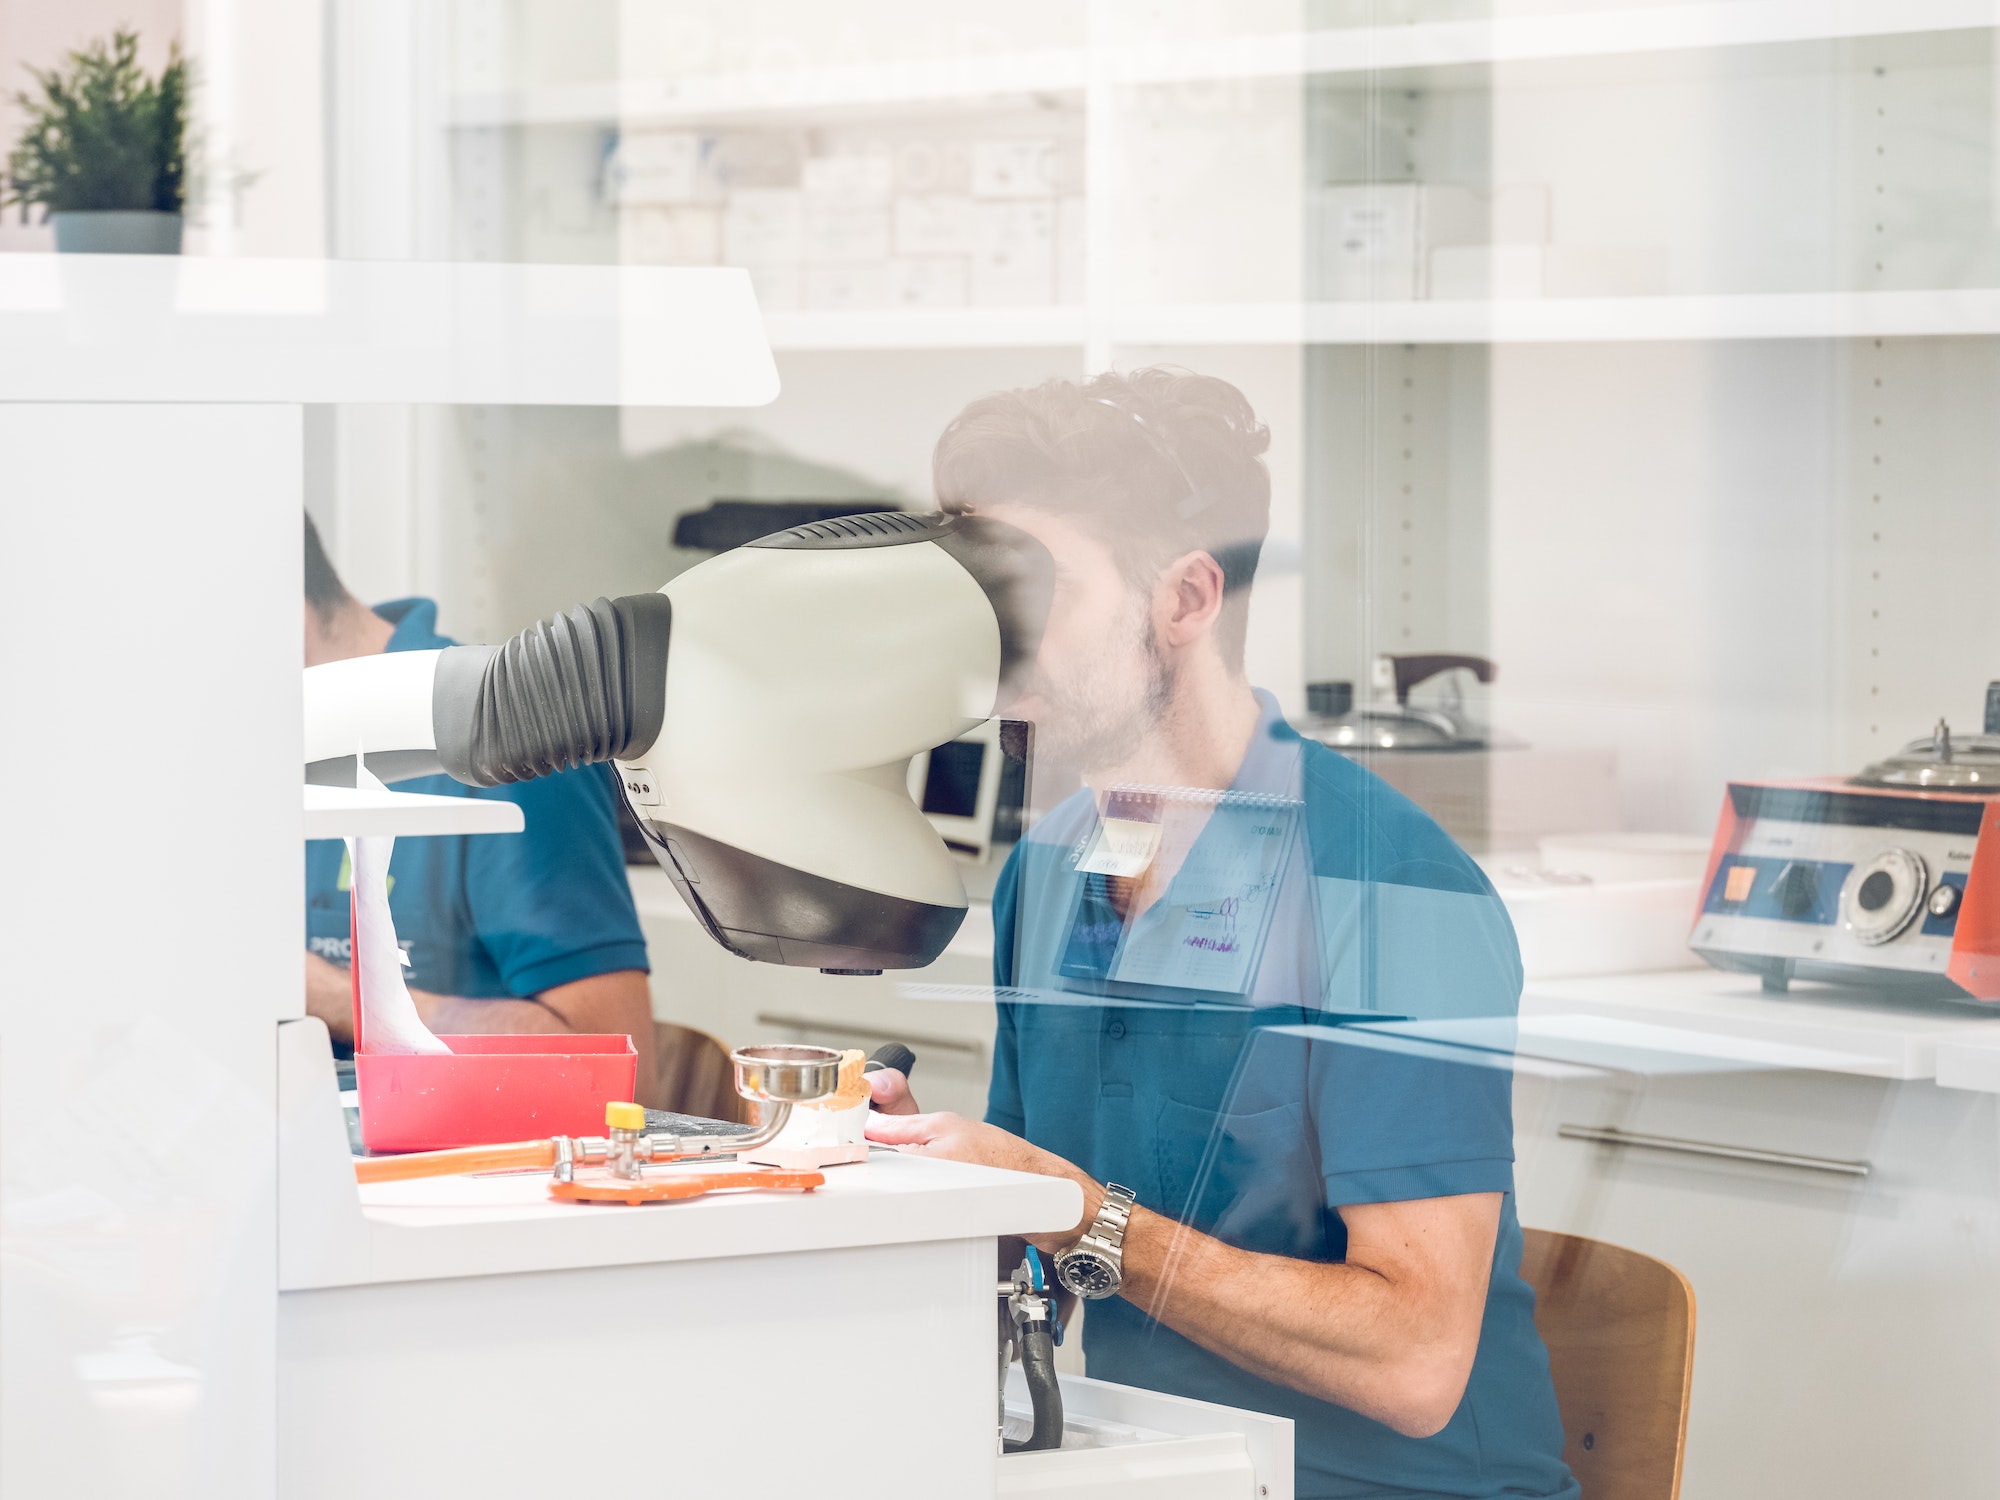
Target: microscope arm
(586, 686)
(760, 711)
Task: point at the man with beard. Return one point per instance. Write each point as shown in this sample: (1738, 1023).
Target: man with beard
(1227, 970)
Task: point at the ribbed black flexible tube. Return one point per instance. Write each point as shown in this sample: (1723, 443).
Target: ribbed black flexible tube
(1038, 1368)
(579, 688)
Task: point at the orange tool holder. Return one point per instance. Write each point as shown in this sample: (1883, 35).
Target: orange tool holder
(488, 1089)
(611, 1168)
(621, 1178)
(602, 1187)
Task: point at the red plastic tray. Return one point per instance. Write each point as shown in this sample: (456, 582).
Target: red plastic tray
(492, 1089)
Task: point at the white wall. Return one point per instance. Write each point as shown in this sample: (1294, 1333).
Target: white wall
(159, 563)
(1720, 559)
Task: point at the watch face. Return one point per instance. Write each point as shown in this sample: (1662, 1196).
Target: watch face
(1088, 1275)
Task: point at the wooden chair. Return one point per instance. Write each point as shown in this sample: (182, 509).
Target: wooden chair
(1620, 1330)
(694, 1075)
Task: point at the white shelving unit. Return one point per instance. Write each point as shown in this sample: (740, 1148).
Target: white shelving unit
(980, 79)
(1545, 320)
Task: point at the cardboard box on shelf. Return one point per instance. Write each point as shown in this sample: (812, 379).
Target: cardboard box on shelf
(764, 226)
(1505, 799)
(845, 234)
(849, 288)
(1013, 263)
(686, 235)
(851, 178)
(1072, 249)
(929, 281)
(934, 166)
(779, 287)
(1380, 241)
(1457, 213)
(1469, 272)
(934, 224)
(1368, 241)
(1023, 167)
(654, 167)
(1607, 271)
(733, 161)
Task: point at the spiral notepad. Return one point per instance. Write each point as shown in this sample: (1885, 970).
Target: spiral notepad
(1208, 931)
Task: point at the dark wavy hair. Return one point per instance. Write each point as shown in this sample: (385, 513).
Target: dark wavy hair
(1154, 464)
(324, 590)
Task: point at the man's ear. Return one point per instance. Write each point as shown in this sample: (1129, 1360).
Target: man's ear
(1190, 599)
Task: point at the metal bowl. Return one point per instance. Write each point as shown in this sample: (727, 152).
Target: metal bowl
(786, 1075)
(1944, 762)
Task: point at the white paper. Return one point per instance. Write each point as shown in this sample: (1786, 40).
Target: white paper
(937, 224)
(1024, 168)
(1123, 847)
(655, 166)
(846, 288)
(862, 177)
(1014, 260)
(764, 227)
(389, 1019)
(844, 234)
(927, 281)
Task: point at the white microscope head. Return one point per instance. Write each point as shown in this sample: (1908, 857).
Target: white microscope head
(761, 712)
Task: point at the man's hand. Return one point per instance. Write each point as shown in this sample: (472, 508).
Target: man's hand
(329, 998)
(955, 1138)
(1390, 1332)
(891, 1092)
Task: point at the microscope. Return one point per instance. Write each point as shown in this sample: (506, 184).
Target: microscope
(760, 711)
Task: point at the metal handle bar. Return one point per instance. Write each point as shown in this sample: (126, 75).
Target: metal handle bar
(1610, 1135)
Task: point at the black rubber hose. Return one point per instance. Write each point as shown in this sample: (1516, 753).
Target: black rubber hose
(1038, 1368)
(585, 686)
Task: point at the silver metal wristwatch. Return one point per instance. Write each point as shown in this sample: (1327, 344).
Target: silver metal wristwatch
(1094, 1266)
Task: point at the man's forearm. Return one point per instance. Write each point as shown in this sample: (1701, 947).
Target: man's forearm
(1390, 1330)
(611, 1003)
(619, 1001)
(1342, 1332)
(456, 1015)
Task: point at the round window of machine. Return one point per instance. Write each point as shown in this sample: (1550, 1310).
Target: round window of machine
(1884, 895)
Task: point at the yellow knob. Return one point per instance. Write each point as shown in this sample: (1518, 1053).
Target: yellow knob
(619, 1116)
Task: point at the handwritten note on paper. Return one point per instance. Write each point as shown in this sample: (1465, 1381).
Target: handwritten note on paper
(1121, 848)
(1208, 932)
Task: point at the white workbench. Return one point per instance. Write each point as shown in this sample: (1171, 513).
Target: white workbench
(1728, 1017)
(478, 1338)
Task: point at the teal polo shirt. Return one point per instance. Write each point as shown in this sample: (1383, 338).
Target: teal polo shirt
(1318, 1012)
(498, 915)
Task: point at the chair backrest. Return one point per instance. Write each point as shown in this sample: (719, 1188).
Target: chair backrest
(1620, 1331)
(694, 1074)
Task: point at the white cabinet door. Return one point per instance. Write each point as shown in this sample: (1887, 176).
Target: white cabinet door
(1122, 1443)
(1847, 1328)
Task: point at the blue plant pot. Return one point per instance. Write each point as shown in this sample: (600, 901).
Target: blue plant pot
(117, 232)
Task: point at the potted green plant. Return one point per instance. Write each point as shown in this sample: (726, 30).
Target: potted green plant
(105, 150)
